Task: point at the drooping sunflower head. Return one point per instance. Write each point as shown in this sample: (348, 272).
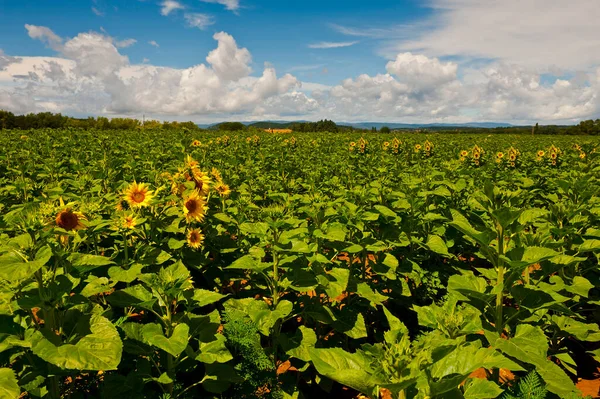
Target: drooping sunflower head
(195, 238)
(222, 189)
(137, 195)
(69, 220)
(194, 207)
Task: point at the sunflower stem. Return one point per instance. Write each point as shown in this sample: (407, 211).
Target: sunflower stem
(126, 249)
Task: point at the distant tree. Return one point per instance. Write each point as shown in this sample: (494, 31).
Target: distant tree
(373, 129)
(384, 129)
(231, 126)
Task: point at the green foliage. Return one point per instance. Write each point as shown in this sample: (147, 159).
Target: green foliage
(151, 262)
(528, 387)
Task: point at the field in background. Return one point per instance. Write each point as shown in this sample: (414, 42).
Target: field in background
(198, 264)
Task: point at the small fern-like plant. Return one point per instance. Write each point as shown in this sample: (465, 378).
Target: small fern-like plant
(529, 387)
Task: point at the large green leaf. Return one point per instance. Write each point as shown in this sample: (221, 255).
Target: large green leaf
(9, 386)
(84, 263)
(351, 369)
(100, 350)
(529, 345)
(481, 389)
(205, 297)
(15, 268)
(175, 344)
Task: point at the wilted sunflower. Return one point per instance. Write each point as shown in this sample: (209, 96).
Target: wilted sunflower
(68, 220)
(137, 195)
(196, 143)
(222, 189)
(194, 207)
(195, 238)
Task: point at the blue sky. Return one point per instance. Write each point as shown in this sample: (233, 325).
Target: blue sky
(382, 60)
(278, 32)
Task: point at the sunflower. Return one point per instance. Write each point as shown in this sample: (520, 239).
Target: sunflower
(512, 164)
(417, 147)
(427, 148)
(194, 207)
(352, 144)
(386, 143)
(553, 155)
(122, 205)
(500, 155)
(476, 155)
(477, 162)
(129, 222)
(513, 157)
(214, 172)
(196, 143)
(202, 181)
(464, 153)
(69, 220)
(137, 195)
(541, 153)
(554, 162)
(582, 155)
(195, 238)
(222, 189)
(462, 159)
(538, 159)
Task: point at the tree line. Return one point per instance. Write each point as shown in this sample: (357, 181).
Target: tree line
(8, 120)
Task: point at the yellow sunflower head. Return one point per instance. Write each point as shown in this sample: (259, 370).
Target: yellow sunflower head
(582, 155)
(500, 155)
(222, 189)
(68, 220)
(196, 143)
(512, 157)
(541, 153)
(477, 155)
(554, 162)
(553, 155)
(129, 222)
(417, 147)
(352, 144)
(464, 153)
(512, 164)
(137, 195)
(194, 207)
(195, 238)
(214, 172)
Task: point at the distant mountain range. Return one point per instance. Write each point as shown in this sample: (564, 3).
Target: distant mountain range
(368, 125)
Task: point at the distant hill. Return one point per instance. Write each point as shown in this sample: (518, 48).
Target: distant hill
(369, 125)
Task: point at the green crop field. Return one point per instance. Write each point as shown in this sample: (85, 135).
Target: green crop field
(179, 264)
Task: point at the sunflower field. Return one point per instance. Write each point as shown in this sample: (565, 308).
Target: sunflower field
(153, 264)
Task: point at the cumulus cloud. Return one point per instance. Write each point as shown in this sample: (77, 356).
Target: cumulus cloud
(169, 6)
(89, 75)
(153, 43)
(125, 43)
(533, 33)
(198, 20)
(44, 34)
(232, 5)
(325, 45)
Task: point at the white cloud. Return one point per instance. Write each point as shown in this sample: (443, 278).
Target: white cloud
(45, 35)
(198, 20)
(125, 43)
(533, 33)
(324, 45)
(97, 12)
(153, 43)
(168, 6)
(232, 5)
(227, 60)
(89, 75)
